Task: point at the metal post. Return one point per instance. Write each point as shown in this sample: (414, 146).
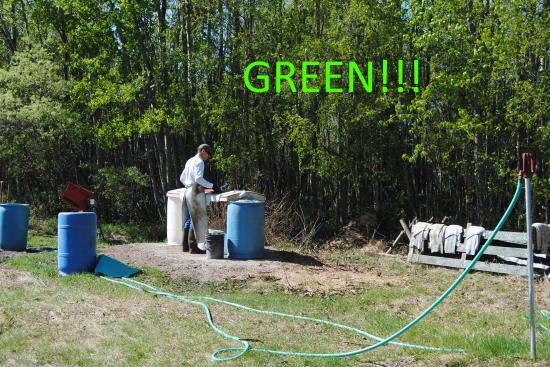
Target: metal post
(527, 168)
(528, 213)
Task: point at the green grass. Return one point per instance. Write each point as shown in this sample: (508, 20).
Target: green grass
(86, 321)
(135, 232)
(121, 233)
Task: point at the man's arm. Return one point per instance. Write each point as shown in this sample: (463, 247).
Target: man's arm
(199, 173)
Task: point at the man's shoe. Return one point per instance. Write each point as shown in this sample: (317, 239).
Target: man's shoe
(193, 248)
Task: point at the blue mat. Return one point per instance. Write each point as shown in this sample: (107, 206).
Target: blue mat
(113, 268)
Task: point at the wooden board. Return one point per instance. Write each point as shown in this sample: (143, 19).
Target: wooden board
(499, 251)
(229, 195)
(460, 264)
(524, 262)
(236, 195)
(405, 228)
(519, 238)
(401, 234)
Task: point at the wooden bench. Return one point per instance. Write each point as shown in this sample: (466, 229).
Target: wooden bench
(510, 247)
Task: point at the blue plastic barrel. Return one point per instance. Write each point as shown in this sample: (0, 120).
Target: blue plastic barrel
(245, 229)
(76, 242)
(14, 225)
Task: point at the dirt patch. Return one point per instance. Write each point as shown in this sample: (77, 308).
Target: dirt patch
(12, 278)
(295, 272)
(291, 270)
(408, 361)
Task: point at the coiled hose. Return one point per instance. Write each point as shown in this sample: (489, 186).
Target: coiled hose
(245, 344)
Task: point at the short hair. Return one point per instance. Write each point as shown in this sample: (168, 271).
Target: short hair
(206, 147)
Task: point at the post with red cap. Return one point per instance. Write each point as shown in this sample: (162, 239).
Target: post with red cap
(527, 168)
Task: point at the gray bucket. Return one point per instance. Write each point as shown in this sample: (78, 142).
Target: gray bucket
(214, 244)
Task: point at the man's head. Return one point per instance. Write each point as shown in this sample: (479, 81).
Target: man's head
(205, 152)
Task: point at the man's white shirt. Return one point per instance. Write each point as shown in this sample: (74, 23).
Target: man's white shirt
(194, 172)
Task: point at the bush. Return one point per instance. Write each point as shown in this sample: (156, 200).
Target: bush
(121, 193)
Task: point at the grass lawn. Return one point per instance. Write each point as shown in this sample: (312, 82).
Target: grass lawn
(83, 320)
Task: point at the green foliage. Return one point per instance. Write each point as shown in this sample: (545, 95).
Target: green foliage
(89, 89)
(121, 192)
(40, 133)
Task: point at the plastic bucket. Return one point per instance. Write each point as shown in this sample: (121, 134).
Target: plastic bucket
(14, 226)
(214, 244)
(77, 196)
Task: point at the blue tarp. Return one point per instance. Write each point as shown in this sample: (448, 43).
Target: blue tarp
(113, 268)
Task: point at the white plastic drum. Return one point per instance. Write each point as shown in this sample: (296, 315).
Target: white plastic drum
(174, 218)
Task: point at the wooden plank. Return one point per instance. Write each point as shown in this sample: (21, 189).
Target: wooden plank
(524, 262)
(463, 256)
(411, 253)
(409, 235)
(500, 251)
(408, 232)
(406, 228)
(229, 195)
(460, 264)
(519, 238)
(401, 234)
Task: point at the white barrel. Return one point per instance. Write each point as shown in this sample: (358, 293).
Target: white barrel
(174, 218)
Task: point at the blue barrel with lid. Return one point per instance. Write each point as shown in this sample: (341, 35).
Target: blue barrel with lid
(14, 226)
(76, 242)
(245, 229)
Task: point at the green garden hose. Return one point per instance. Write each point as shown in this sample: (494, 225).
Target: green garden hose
(134, 284)
(246, 347)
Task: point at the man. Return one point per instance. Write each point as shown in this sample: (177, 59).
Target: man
(194, 200)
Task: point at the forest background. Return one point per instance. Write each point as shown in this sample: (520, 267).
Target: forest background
(115, 95)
